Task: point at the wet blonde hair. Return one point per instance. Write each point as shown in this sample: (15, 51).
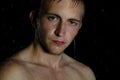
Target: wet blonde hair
(40, 6)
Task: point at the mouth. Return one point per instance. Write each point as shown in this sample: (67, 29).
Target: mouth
(58, 42)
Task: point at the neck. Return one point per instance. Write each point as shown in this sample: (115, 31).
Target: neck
(39, 56)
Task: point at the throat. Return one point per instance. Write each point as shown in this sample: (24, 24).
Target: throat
(37, 55)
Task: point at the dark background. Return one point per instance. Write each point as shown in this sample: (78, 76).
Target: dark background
(96, 43)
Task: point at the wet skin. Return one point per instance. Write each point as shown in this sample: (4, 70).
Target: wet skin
(58, 27)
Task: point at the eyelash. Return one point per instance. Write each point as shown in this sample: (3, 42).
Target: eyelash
(55, 18)
(52, 18)
(73, 23)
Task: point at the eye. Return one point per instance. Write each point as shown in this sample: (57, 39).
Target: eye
(73, 23)
(52, 18)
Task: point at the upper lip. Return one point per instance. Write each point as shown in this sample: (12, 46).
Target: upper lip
(59, 41)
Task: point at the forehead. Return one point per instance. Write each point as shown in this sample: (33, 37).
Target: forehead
(64, 6)
(59, 4)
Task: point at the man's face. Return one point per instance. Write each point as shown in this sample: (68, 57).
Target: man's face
(59, 25)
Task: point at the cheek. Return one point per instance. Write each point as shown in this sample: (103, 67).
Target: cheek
(71, 33)
(47, 26)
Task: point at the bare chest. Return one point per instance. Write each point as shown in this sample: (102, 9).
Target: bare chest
(49, 74)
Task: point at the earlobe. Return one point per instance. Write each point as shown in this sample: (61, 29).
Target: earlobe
(32, 18)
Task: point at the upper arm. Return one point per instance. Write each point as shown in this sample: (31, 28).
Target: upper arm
(11, 75)
(89, 74)
(12, 72)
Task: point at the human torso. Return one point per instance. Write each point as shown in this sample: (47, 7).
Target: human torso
(39, 72)
(24, 68)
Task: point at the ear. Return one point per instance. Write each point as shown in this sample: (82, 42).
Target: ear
(32, 15)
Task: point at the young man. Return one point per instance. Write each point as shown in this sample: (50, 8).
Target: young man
(56, 25)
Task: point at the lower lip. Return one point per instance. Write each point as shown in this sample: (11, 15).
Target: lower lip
(58, 42)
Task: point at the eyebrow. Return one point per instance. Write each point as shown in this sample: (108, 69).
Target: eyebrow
(52, 14)
(75, 20)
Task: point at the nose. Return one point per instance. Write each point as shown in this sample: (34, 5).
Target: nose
(60, 30)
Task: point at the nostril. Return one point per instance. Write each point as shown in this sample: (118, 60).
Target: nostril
(59, 32)
(60, 29)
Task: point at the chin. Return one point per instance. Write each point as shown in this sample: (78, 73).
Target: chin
(56, 51)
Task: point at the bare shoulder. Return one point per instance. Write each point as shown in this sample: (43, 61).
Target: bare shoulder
(87, 71)
(11, 70)
(83, 69)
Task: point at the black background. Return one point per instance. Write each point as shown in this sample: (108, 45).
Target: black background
(96, 43)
